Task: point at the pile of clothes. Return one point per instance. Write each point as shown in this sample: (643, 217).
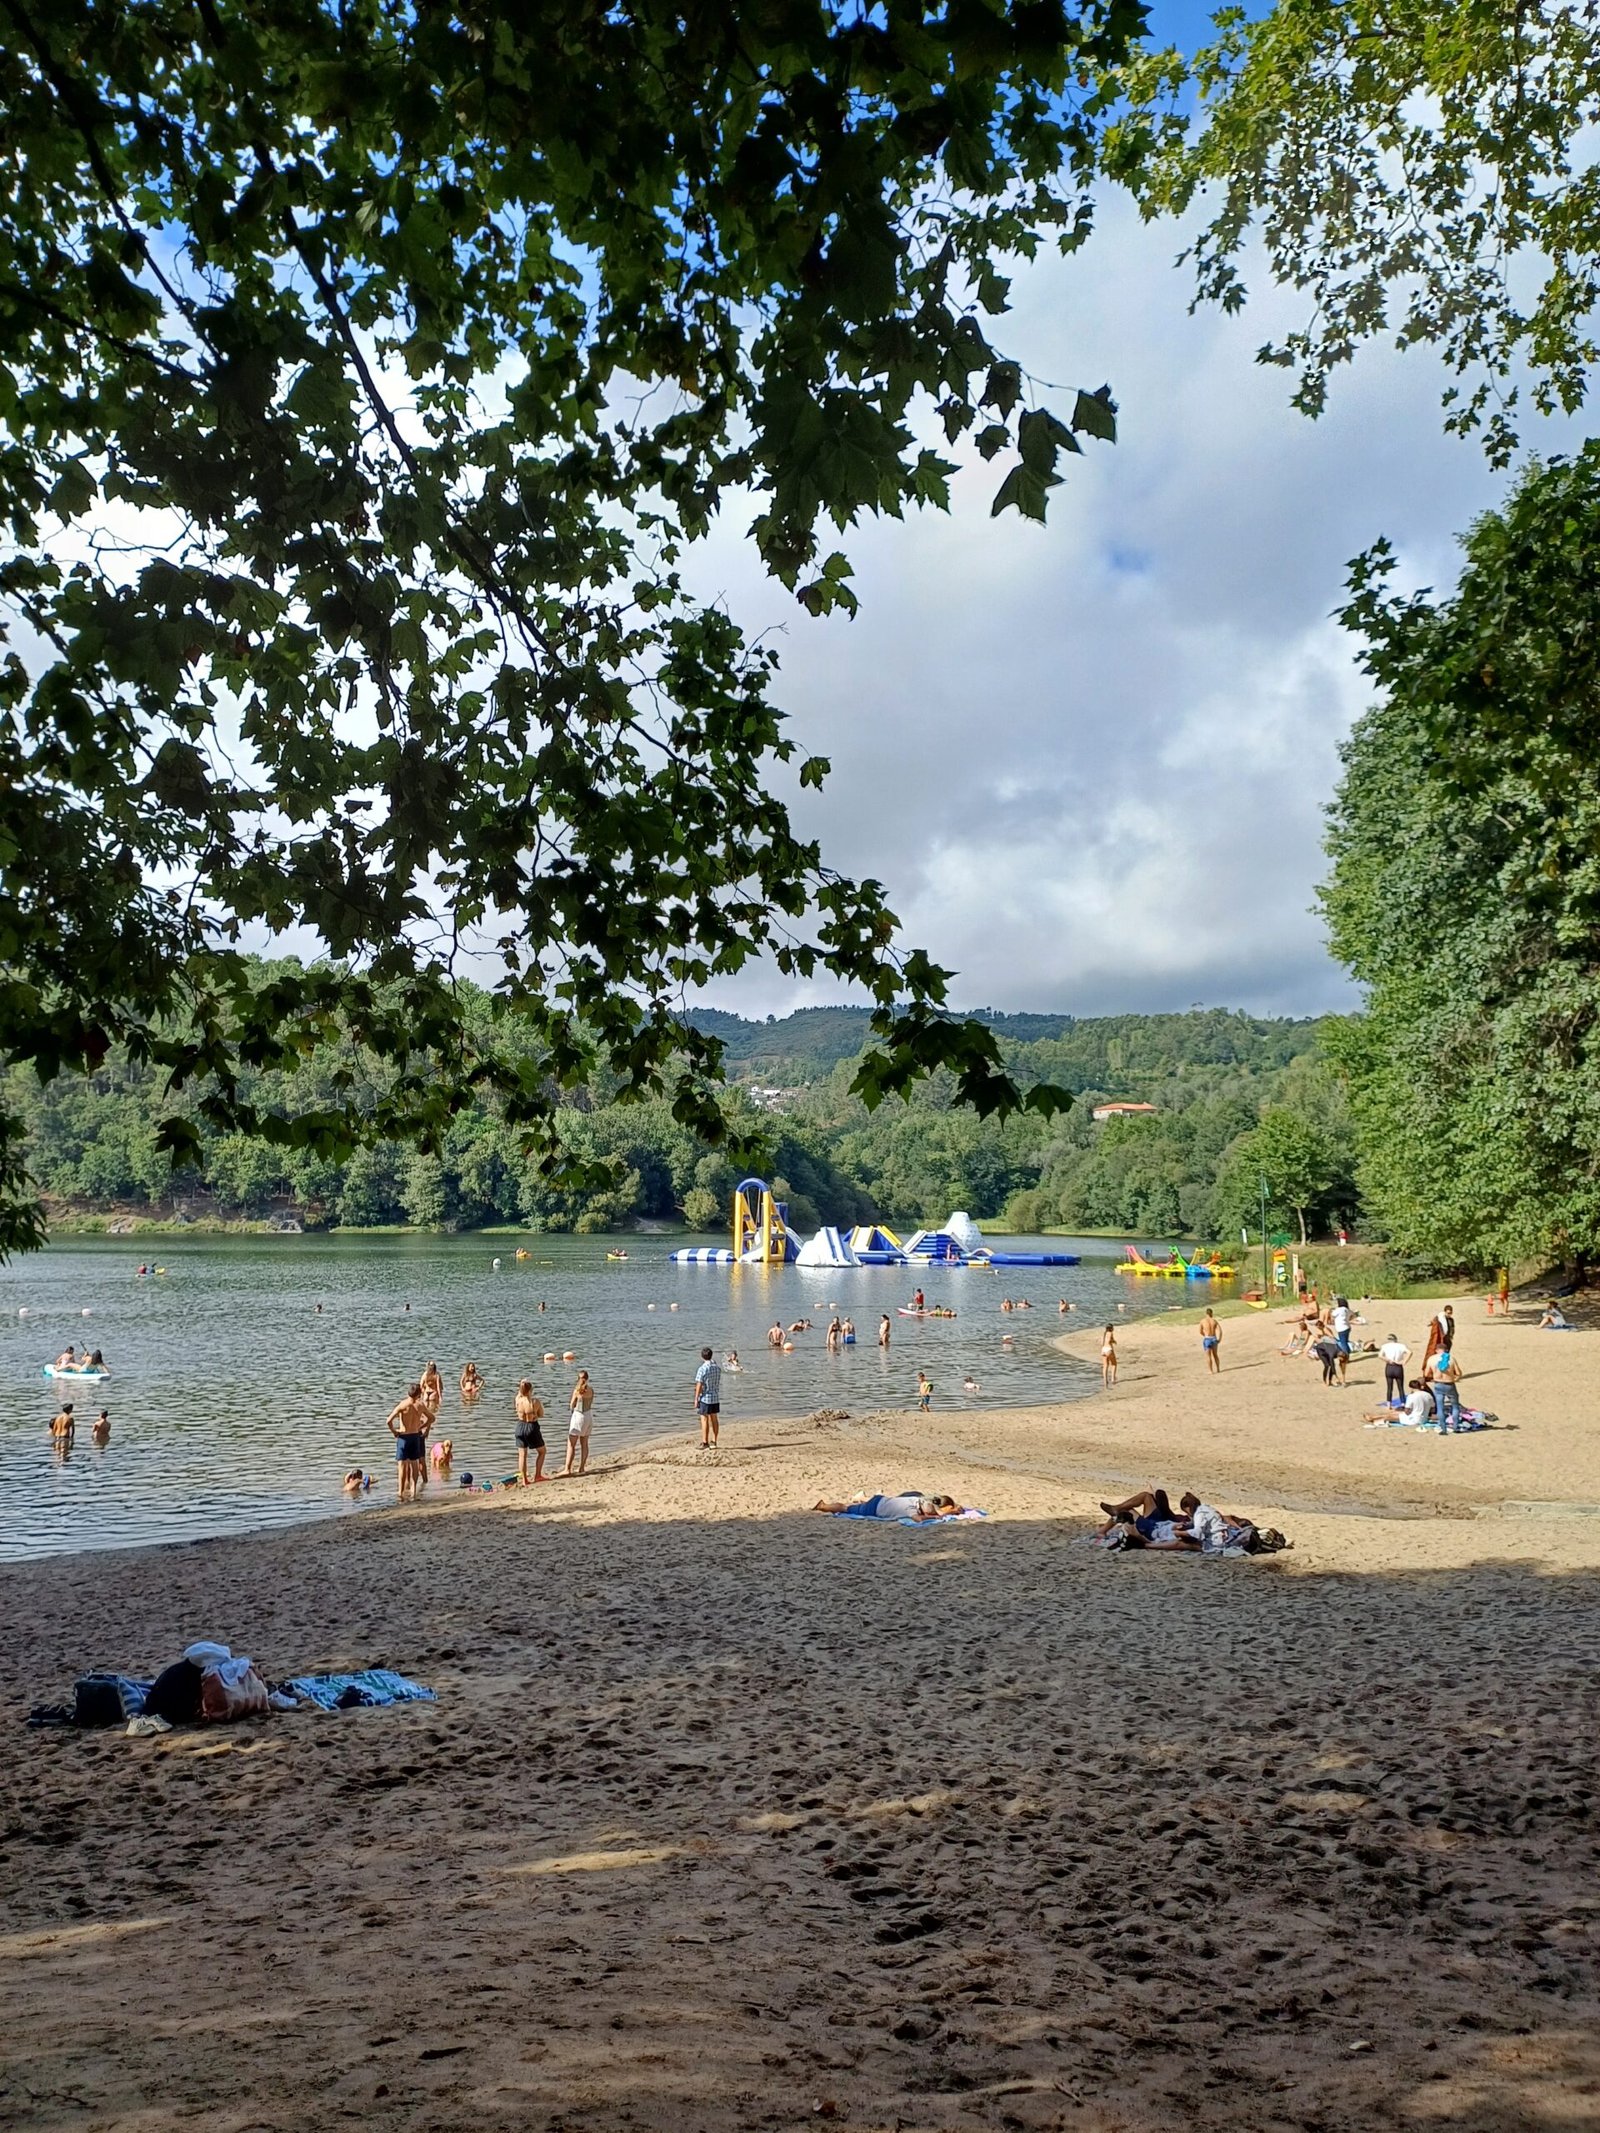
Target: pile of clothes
(210, 1684)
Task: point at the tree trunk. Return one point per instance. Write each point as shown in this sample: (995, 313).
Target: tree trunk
(1300, 1217)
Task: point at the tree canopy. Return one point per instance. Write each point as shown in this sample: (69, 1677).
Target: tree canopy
(1465, 889)
(1423, 168)
(363, 371)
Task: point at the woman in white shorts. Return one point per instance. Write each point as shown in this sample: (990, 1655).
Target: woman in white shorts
(579, 1421)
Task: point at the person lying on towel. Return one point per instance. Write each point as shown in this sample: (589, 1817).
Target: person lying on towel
(921, 1508)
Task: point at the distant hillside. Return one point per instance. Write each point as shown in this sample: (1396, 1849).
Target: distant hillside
(1095, 1052)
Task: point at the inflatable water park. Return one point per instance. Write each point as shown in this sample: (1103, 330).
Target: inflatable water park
(1174, 1266)
(762, 1236)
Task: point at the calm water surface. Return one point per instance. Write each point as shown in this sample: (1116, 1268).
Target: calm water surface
(236, 1405)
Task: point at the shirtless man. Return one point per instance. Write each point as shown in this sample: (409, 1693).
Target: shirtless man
(62, 1427)
(101, 1432)
(409, 1424)
(775, 1335)
(1211, 1341)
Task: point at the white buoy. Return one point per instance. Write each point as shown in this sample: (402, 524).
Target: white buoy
(672, 1307)
(550, 1355)
(23, 1312)
(569, 1355)
(497, 1262)
(649, 1307)
(86, 1312)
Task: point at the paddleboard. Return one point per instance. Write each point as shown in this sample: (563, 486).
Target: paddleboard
(87, 1377)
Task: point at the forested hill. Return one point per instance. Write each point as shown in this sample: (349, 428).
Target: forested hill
(1087, 1053)
(1232, 1099)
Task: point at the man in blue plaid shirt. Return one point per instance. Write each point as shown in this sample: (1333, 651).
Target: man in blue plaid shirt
(708, 1398)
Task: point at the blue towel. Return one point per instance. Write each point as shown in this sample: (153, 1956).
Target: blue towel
(374, 1685)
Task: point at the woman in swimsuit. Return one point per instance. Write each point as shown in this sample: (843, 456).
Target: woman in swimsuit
(471, 1381)
(432, 1386)
(530, 1438)
(1108, 1357)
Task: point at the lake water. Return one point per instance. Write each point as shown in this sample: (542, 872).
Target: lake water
(236, 1405)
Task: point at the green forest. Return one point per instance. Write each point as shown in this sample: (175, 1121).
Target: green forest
(1234, 1096)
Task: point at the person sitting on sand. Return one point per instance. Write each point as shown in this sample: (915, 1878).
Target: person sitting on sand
(471, 1381)
(101, 1432)
(357, 1483)
(63, 1428)
(1211, 1530)
(911, 1505)
(1417, 1407)
(1555, 1320)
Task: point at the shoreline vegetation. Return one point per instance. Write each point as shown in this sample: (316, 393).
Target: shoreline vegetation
(772, 1906)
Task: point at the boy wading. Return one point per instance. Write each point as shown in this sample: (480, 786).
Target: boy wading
(708, 1398)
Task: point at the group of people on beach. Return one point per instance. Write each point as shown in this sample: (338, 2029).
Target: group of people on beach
(411, 1424)
(1146, 1519)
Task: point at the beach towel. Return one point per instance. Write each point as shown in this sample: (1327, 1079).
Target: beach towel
(374, 1685)
(945, 1518)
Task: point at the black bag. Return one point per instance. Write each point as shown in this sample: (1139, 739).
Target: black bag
(175, 1695)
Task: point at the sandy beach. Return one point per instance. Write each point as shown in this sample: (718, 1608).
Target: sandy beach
(729, 1815)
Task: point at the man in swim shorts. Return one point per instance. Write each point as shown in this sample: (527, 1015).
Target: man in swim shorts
(708, 1398)
(409, 1424)
(62, 1428)
(1211, 1341)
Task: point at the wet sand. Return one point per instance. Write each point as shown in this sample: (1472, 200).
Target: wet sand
(730, 1816)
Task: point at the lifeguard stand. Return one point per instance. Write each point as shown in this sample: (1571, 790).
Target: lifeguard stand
(760, 1226)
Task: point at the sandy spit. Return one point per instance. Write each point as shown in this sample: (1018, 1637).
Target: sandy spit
(732, 1816)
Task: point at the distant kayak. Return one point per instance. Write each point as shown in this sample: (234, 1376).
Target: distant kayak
(51, 1370)
(932, 1311)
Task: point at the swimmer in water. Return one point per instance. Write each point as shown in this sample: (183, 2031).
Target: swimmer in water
(101, 1432)
(63, 1428)
(471, 1381)
(356, 1483)
(731, 1360)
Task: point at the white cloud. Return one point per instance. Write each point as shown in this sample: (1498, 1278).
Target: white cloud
(1090, 760)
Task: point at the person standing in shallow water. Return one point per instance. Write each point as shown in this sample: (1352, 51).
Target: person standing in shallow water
(530, 1438)
(708, 1398)
(580, 1418)
(884, 1330)
(409, 1423)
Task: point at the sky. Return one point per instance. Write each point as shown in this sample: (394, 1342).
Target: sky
(1090, 760)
